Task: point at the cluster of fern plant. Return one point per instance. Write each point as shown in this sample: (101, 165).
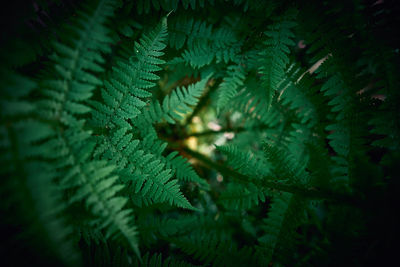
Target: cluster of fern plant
(199, 133)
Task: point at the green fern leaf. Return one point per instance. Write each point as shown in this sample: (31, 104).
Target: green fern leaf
(129, 81)
(274, 57)
(156, 260)
(95, 185)
(150, 177)
(285, 167)
(238, 197)
(245, 163)
(35, 206)
(76, 56)
(229, 87)
(287, 212)
(178, 165)
(174, 106)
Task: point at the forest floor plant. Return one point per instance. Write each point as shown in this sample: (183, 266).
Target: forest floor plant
(199, 133)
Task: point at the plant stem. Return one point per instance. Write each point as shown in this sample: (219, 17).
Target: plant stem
(310, 193)
(227, 129)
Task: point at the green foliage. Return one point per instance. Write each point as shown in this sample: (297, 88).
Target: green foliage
(229, 87)
(200, 133)
(274, 58)
(130, 81)
(175, 105)
(280, 227)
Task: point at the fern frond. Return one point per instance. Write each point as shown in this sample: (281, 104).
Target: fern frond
(152, 227)
(201, 33)
(285, 215)
(385, 119)
(383, 127)
(93, 183)
(238, 196)
(14, 88)
(118, 147)
(156, 228)
(90, 235)
(197, 57)
(175, 105)
(77, 55)
(202, 247)
(76, 58)
(252, 105)
(212, 249)
(284, 165)
(205, 43)
(179, 166)
(180, 28)
(107, 132)
(194, 32)
(107, 254)
(274, 57)
(159, 186)
(156, 260)
(200, 55)
(144, 7)
(129, 81)
(301, 94)
(35, 206)
(341, 99)
(184, 171)
(335, 88)
(245, 162)
(149, 175)
(228, 88)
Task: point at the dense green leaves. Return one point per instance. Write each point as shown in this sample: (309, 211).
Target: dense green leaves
(274, 58)
(285, 215)
(229, 87)
(77, 56)
(130, 80)
(199, 133)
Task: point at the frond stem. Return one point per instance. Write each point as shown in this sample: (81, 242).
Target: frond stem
(227, 129)
(267, 182)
